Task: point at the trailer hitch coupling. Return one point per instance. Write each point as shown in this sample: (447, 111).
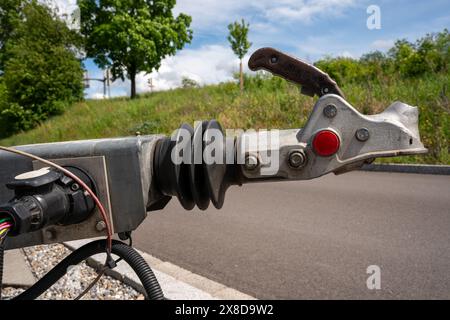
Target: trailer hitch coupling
(336, 138)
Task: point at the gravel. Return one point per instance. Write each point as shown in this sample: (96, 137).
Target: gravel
(44, 257)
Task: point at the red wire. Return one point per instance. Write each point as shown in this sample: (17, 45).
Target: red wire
(79, 181)
(7, 224)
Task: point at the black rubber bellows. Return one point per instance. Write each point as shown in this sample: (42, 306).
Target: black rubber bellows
(184, 169)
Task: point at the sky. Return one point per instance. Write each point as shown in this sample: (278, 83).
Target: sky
(308, 29)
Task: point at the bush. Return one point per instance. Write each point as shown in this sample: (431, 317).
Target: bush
(429, 55)
(188, 83)
(342, 69)
(262, 80)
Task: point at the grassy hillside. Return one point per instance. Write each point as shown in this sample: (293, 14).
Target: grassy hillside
(267, 103)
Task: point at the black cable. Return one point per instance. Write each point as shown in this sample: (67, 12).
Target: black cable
(89, 287)
(127, 253)
(100, 274)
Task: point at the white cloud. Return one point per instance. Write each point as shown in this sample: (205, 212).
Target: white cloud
(346, 54)
(206, 65)
(334, 45)
(382, 44)
(209, 15)
(66, 10)
(64, 7)
(97, 96)
(305, 11)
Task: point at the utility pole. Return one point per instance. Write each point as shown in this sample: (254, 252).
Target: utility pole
(150, 84)
(105, 80)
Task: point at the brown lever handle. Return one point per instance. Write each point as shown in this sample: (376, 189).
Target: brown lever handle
(313, 80)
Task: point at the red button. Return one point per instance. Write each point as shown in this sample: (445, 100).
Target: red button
(325, 143)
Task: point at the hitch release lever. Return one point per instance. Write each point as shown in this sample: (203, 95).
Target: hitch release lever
(312, 80)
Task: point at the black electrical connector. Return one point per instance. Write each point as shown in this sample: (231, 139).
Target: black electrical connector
(47, 197)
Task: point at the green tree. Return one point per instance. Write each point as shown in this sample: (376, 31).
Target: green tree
(434, 49)
(187, 82)
(238, 39)
(10, 17)
(406, 58)
(42, 74)
(132, 36)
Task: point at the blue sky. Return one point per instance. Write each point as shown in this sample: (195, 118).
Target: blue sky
(309, 29)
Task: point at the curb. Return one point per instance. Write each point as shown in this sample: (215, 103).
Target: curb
(408, 168)
(16, 272)
(177, 283)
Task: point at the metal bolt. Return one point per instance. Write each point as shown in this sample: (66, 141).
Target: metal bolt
(362, 134)
(274, 59)
(297, 159)
(100, 226)
(49, 234)
(330, 111)
(74, 187)
(251, 162)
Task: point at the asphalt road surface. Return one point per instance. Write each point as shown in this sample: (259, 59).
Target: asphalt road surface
(315, 239)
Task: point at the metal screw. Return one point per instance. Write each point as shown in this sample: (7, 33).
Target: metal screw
(362, 134)
(100, 226)
(330, 111)
(74, 187)
(325, 90)
(274, 59)
(251, 162)
(297, 159)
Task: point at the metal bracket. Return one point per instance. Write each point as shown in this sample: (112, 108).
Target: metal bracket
(362, 138)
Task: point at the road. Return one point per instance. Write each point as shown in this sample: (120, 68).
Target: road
(315, 239)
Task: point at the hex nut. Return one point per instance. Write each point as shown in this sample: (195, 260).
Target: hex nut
(297, 159)
(100, 226)
(251, 162)
(50, 234)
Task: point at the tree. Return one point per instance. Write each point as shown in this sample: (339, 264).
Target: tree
(42, 74)
(132, 36)
(187, 82)
(10, 16)
(240, 44)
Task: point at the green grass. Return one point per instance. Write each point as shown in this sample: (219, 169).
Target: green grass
(266, 103)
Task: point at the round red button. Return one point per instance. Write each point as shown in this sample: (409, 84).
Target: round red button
(325, 143)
